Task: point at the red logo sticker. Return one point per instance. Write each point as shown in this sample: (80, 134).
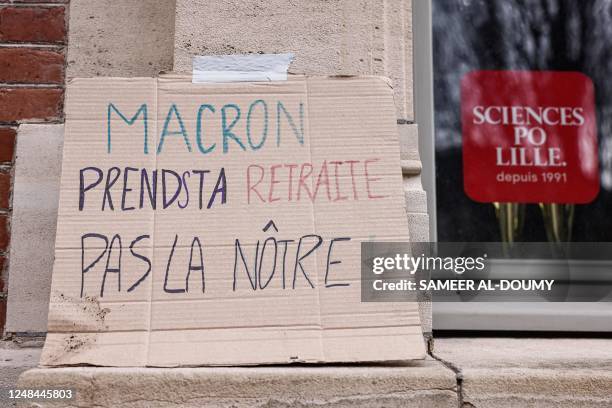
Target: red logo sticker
(529, 137)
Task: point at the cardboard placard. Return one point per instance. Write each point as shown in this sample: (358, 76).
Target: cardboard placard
(220, 224)
(529, 137)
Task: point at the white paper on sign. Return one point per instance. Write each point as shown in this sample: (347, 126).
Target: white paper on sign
(241, 68)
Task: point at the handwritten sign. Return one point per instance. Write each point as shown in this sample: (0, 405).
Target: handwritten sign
(530, 137)
(221, 224)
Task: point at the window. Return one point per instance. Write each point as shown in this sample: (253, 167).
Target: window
(519, 35)
(455, 38)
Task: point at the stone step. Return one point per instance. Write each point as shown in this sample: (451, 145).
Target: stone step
(420, 384)
(531, 372)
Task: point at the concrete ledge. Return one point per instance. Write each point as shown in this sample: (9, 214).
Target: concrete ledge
(491, 372)
(542, 373)
(537, 388)
(424, 384)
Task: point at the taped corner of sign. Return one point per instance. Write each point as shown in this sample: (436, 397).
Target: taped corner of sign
(241, 68)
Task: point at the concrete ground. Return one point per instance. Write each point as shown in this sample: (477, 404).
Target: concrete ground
(463, 372)
(14, 360)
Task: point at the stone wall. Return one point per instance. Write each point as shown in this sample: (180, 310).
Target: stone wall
(133, 40)
(145, 37)
(32, 65)
(342, 37)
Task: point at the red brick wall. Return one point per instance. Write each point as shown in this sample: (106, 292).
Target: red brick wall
(32, 68)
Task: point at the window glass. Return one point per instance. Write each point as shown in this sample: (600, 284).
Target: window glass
(571, 37)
